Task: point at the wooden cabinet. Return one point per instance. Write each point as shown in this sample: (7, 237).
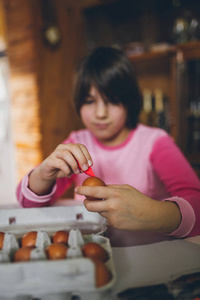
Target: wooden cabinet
(175, 72)
(188, 101)
(155, 71)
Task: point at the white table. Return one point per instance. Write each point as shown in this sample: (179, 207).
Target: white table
(155, 263)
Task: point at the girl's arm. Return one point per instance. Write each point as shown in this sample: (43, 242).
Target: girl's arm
(126, 208)
(180, 181)
(27, 198)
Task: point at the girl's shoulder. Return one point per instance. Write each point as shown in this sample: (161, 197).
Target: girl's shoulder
(150, 132)
(146, 135)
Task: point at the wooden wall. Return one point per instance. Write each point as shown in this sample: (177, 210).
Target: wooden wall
(23, 83)
(41, 78)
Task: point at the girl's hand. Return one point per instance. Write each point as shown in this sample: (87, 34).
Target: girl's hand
(126, 208)
(62, 162)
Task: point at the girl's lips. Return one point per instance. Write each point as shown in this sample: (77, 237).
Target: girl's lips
(101, 126)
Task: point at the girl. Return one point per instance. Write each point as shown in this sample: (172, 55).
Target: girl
(151, 186)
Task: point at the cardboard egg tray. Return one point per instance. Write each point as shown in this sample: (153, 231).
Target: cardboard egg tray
(52, 279)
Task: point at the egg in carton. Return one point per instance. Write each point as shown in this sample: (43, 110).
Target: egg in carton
(39, 239)
(73, 275)
(10, 244)
(60, 279)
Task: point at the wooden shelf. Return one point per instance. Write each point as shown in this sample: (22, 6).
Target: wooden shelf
(152, 55)
(159, 69)
(189, 47)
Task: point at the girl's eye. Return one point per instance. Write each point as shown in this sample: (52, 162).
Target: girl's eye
(89, 101)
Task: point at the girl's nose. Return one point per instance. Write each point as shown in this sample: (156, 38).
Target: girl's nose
(101, 110)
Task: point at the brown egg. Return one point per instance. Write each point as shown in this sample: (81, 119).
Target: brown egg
(23, 254)
(61, 236)
(56, 251)
(102, 273)
(1, 239)
(29, 239)
(93, 181)
(94, 250)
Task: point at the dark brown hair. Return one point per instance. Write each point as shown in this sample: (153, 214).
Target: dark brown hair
(111, 73)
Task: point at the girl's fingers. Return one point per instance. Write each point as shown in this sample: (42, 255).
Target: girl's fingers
(67, 159)
(74, 155)
(95, 206)
(98, 207)
(79, 158)
(87, 156)
(124, 186)
(102, 192)
(98, 192)
(60, 166)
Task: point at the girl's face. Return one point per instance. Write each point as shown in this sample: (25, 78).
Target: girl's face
(105, 120)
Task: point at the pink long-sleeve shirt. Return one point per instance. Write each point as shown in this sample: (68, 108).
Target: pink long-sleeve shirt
(148, 160)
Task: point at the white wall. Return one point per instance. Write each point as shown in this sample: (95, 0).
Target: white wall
(7, 161)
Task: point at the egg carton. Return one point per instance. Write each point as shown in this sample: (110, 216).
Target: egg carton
(61, 279)
(18, 220)
(40, 278)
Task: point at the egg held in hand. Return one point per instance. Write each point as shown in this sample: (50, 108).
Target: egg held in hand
(93, 181)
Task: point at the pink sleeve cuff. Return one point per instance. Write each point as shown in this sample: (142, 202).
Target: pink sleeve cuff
(29, 195)
(188, 217)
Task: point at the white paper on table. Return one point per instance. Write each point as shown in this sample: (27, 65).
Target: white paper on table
(153, 264)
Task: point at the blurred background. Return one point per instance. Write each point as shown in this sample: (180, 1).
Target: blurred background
(41, 42)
